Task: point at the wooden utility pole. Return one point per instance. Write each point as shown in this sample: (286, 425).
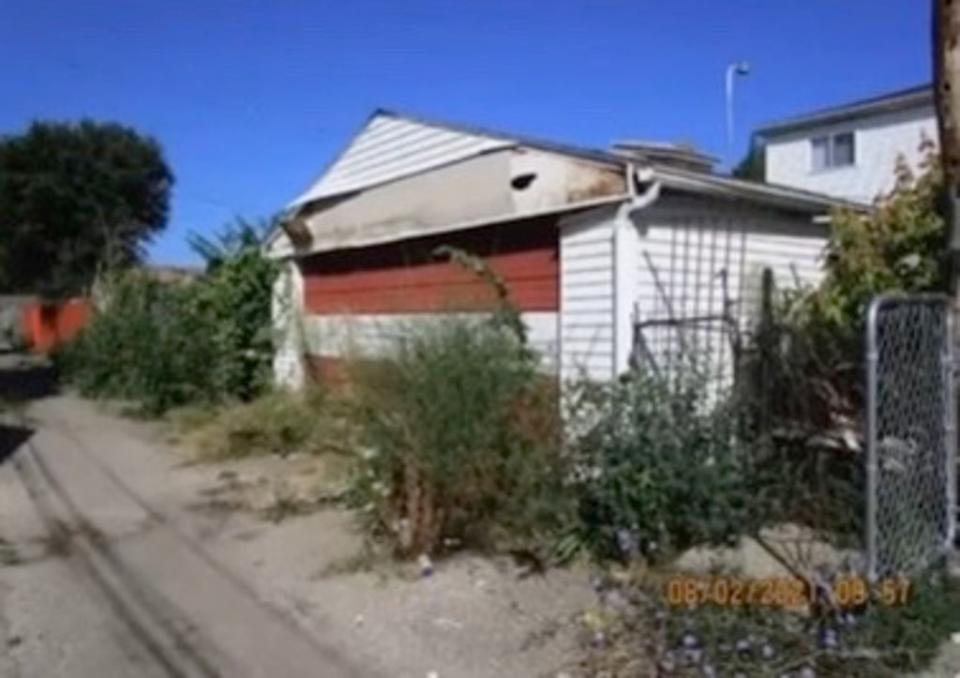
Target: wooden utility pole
(946, 82)
(946, 93)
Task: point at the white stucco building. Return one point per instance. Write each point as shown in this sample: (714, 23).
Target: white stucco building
(850, 151)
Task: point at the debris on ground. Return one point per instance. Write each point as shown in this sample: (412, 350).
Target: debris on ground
(425, 565)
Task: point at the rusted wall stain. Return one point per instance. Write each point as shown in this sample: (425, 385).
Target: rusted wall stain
(595, 183)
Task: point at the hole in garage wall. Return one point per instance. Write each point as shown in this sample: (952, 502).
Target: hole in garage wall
(521, 182)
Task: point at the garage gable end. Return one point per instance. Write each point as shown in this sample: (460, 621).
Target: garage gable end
(390, 147)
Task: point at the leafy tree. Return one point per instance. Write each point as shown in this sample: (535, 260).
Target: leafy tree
(75, 199)
(896, 248)
(753, 166)
(232, 239)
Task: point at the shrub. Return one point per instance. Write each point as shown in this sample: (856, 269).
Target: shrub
(798, 395)
(459, 434)
(661, 467)
(236, 296)
(800, 380)
(900, 247)
(459, 438)
(147, 344)
(804, 362)
(164, 345)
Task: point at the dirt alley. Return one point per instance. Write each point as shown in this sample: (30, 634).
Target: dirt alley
(118, 559)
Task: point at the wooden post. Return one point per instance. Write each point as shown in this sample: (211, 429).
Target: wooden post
(946, 87)
(946, 78)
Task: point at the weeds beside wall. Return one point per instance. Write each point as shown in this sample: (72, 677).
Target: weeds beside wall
(450, 451)
(462, 440)
(661, 470)
(460, 434)
(139, 346)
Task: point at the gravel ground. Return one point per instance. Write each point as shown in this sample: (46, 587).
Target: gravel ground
(246, 595)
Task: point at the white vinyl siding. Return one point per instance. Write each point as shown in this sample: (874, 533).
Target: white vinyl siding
(687, 263)
(792, 159)
(586, 296)
(389, 148)
(699, 265)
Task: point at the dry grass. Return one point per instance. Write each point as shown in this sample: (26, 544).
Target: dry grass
(278, 423)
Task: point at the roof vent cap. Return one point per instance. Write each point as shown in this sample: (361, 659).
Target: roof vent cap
(682, 155)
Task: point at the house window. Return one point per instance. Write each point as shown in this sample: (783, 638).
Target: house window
(832, 150)
(821, 153)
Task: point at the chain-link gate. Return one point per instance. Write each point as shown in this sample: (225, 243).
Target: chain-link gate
(911, 433)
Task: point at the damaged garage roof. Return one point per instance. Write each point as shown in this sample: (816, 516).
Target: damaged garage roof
(397, 154)
(394, 145)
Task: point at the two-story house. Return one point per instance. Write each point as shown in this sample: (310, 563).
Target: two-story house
(850, 151)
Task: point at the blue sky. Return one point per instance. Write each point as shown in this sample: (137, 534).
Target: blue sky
(251, 98)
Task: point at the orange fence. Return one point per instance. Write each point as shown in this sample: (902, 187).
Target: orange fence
(47, 326)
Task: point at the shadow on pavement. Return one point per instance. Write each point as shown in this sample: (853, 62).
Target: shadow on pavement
(24, 378)
(11, 439)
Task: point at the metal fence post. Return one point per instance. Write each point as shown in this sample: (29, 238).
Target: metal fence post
(871, 435)
(950, 424)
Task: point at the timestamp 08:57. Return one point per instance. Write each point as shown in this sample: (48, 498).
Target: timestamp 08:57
(788, 592)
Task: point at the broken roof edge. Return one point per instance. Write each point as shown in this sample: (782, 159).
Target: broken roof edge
(767, 195)
(307, 199)
(400, 235)
(507, 139)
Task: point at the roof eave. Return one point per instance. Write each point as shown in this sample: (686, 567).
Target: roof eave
(783, 197)
(915, 98)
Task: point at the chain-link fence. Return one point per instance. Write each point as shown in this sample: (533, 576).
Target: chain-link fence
(911, 435)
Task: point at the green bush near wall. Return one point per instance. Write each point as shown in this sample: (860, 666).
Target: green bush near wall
(163, 345)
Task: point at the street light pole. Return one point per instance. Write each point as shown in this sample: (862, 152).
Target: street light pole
(733, 70)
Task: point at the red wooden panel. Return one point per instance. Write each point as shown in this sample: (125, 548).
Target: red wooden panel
(407, 277)
(513, 266)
